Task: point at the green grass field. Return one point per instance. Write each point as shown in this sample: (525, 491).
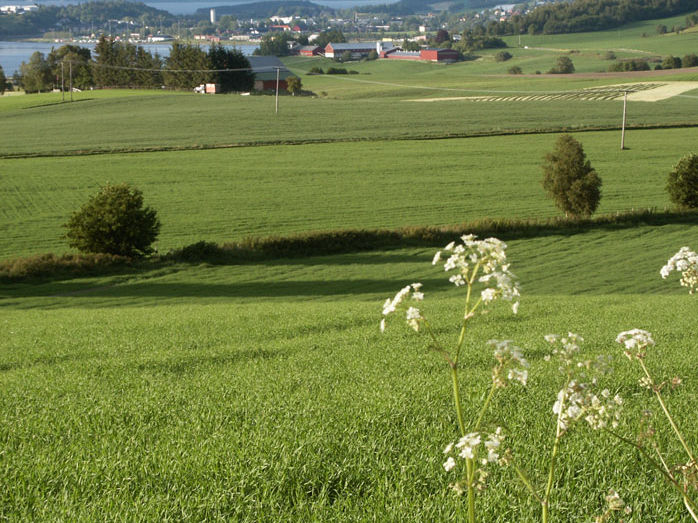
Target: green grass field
(226, 195)
(264, 391)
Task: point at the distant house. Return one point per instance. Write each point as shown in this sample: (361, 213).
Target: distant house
(439, 55)
(431, 55)
(310, 50)
(264, 69)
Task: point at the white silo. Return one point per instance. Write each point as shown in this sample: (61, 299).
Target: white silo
(212, 12)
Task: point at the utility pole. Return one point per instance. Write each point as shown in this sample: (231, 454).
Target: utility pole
(622, 134)
(62, 83)
(277, 89)
(71, 79)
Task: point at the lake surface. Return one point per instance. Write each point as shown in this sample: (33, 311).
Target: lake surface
(188, 7)
(12, 54)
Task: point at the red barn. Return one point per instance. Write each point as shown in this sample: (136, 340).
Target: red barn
(439, 55)
(310, 50)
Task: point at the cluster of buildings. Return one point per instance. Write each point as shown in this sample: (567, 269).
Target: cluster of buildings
(386, 50)
(17, 9)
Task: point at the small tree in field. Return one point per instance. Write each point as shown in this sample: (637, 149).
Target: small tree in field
(682, 184)
(293, 85)
(563, 65)
(570, 180)
(114, 221)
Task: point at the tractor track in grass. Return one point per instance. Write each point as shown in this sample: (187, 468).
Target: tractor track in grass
(273, 143)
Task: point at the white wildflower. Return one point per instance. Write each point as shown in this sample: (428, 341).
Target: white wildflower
(413, 316)
(486, 258)
(449, 464)
(518, 375)
(488, 295)
(468, 444)
(635, 342)
(391, 306)
(686, 262)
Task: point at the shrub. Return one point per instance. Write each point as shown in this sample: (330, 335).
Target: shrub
(502, 56)
(671, 62)
(67, 265)
(570, 180)
(316, 70)
(114, 222)
(682, 184)
(564, 65)
(515, 70)
(336, 70)
(609, 55)
(690, 60)
(629, 65)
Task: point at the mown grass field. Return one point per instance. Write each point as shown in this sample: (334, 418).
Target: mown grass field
(264, 391)
(267, 392)
(229, 194)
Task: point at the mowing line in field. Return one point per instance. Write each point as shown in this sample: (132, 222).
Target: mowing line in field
(637, 92)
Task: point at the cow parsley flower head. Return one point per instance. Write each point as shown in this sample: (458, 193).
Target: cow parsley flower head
(413, 316)
(486, 258)
(566, 348)
(510, 363)
(635, 342)
(480, 446)
(686, 262)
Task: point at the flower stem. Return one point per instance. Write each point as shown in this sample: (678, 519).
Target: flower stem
(666, 412)
(527, 482)
(456, 400)
(484, 408)
(470, 473)
(551, 474)
(691, 505)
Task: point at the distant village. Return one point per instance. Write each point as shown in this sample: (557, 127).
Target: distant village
(227, 28)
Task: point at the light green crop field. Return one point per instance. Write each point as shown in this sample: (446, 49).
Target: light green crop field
(265, 391)
(229, 194)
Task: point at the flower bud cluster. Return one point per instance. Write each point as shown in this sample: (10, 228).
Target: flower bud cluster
(614, 503)
(511, 364)
(485, 448)
(413, 316)
(468, 257)
(578, 402)
(685, 261)
(566, 349)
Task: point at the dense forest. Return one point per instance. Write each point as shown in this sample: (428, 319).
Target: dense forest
(589, 15)
(269, 9)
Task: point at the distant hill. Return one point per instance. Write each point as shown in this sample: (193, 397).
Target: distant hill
(77, 16)
(269, 8)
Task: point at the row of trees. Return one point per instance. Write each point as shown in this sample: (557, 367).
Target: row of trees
(118, 64)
